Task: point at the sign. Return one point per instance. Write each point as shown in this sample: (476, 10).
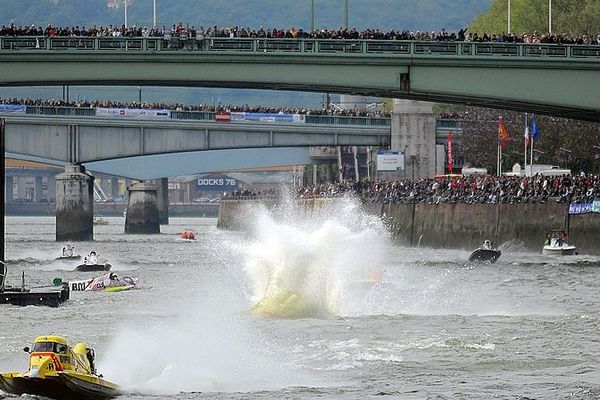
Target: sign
(132, 113)
(174, 186)
(12, 108)
(268, 117)
(217, 182)
(584, 208)
(390, 161)
(222, 116)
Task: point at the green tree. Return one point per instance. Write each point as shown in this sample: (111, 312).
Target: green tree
(573, 17)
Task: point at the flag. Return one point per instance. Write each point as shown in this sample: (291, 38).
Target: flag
(527, 136)
(503, 136)
(450, 157)
(535, 134)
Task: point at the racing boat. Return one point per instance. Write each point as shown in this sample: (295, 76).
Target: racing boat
(485, 253)
(109, 282)
(59, 371)
(284, 303)
(188, 234)
(558, 247)
(68, 253)
(91, 262)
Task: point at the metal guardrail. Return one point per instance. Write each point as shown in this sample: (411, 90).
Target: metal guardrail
(210, 116)
(299, 46)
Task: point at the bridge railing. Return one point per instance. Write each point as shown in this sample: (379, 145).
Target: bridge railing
(299, 46)
(207, 116)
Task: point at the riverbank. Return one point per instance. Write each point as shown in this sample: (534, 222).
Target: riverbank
(459, 226)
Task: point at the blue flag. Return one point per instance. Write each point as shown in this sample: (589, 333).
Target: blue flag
(535, 134)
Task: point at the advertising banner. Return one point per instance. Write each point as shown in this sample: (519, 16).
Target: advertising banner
(13, 108)
(390, 161)
(584, 208)
(132, 113)
(268, 117)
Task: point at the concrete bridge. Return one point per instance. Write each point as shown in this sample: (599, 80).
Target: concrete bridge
(562, 80)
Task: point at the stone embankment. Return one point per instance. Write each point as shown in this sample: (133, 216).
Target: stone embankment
(463, 226)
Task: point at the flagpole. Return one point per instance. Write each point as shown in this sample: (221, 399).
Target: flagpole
(531, 157)
(526, 137)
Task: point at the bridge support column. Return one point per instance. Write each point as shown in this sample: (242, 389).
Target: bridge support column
(9, 189)
(114, 188)
(51, 188)
(74, 205)
(413, 132)
(142, 209)
(37, 189)
(163, 201)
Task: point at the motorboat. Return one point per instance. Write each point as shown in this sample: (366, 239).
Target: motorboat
(92, 262)
(23, 296)
(485, 253)
(558, 247)
(283, 303)
(188, 234)
(100, 221)
(59, 371)
(68, 253)
(110, 282)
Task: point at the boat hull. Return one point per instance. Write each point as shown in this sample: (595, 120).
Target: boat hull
(73, 257)
(93, 267)
(63, 386)
(564, 250)
(483, 255)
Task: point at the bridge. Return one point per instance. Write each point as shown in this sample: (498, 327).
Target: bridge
(193, 140)
(185, 142)
(562, 80)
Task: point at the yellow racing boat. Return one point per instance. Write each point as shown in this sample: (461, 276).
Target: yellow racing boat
(59, 371)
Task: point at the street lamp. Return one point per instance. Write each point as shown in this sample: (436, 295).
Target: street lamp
(125, 1)
(508, 17)
(345, 14)
(312, 15)
(550, 17)
(154, 14)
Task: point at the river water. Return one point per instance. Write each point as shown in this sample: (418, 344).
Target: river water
(389, 321)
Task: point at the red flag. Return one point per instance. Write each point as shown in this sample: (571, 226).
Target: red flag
(450, 158)
(503, 136)
(527, 137)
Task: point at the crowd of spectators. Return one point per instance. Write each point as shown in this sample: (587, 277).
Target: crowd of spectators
(195, 107)
(185, 32)
(467, 189)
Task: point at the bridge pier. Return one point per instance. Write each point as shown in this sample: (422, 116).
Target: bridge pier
(163, 201)
(37, 191)
(9, 195)
(74, 205)
(142, 209)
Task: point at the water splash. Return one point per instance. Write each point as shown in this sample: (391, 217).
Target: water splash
(301, 263)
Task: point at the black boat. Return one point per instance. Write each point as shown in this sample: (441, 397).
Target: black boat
(22, 296)
(485, 255)
(93, 267)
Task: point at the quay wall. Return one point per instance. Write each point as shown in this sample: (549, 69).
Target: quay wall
(463, 226)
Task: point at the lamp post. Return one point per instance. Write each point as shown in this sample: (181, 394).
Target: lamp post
(125, 13)
(550, 17)
(312, 15)
(508, 17)
(154, 14)
(345, 14)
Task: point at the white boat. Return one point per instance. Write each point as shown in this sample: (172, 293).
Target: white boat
(559, 247)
